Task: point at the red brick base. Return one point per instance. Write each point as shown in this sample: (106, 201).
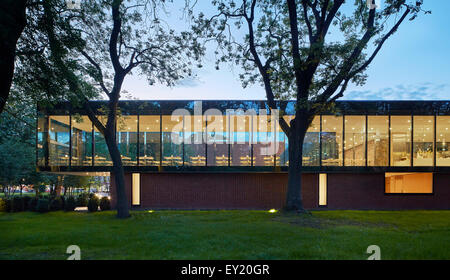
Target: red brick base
(267, 190)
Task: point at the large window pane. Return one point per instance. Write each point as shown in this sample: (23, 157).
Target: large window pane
(172, 138)
(59, 130)
(217, 140)
(263, 140)
(102, 157)
(41, 140)
(194, 146)
(283, 144)
(423, 141)
(311, 144)
(126, 139)
(378, 142)
(331, 141)
(240, 140)
(355, 141)
(149, 140)
(442, 138)
(81, 141)
(400, 140)
(409, 183)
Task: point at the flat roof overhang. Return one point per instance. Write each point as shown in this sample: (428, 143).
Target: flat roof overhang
(157, 107)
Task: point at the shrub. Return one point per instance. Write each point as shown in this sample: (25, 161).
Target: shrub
(93, 204)
(17, 204)
(55, 204)
(42, 205)
(70, 204)
(82, 200)
(105, 204)
(2, 205)
(26, 202)
(32, 204)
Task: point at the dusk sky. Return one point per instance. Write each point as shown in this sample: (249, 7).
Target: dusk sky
(414, 64)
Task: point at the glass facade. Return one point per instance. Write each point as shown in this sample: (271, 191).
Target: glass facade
(126, 138)
(400, 140)
(332, 138)
(59, 139)
(442, 138)
(378, 141)
(81, 141)
(149, 140)
(246, 137)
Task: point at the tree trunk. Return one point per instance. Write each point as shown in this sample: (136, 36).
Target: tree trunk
(12, 23)
(297, 133)
(119, 175)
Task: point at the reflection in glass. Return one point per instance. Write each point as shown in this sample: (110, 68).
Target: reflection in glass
(126, 138)
(41, 140)
(81, 141)
(172, 137)
(442, 138)
(149, 140)
(378, 142)
(59, 132)
(194, 147)
(400, 141)
(217, 140)
(102, 157)
(331, 140)
(283, 144)
(355, 141)
(311, 144)
(423, 141)
(263, 140)
(240, 140)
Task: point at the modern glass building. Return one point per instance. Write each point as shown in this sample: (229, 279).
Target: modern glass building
(232, 154)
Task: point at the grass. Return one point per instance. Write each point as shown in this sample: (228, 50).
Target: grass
(227, 235)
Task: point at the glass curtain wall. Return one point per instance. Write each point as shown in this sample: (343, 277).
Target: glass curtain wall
(378, 141)
(240, 135)
(149, 140)
(332, 140)
(101, 152)
(81, 141)
(41, 144)
(194, 146)
(355, 141)
(172, 138)
(283, 144)
(423, 146)
(400, 140)
(126, 138)
(264, 146)
(217, 140)
(442, 138)
(245, 140)
(59, 136)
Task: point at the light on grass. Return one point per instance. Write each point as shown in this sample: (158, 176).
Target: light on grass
(272, 211)
(150, 211)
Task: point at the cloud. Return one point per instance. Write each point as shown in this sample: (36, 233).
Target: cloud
(423, 91)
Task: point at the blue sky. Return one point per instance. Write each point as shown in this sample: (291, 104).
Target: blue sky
(414, 64)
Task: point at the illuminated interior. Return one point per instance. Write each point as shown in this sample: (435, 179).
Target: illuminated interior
(243, 139)
(409, 183)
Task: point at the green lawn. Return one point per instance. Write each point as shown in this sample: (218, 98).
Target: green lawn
(227, 235)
